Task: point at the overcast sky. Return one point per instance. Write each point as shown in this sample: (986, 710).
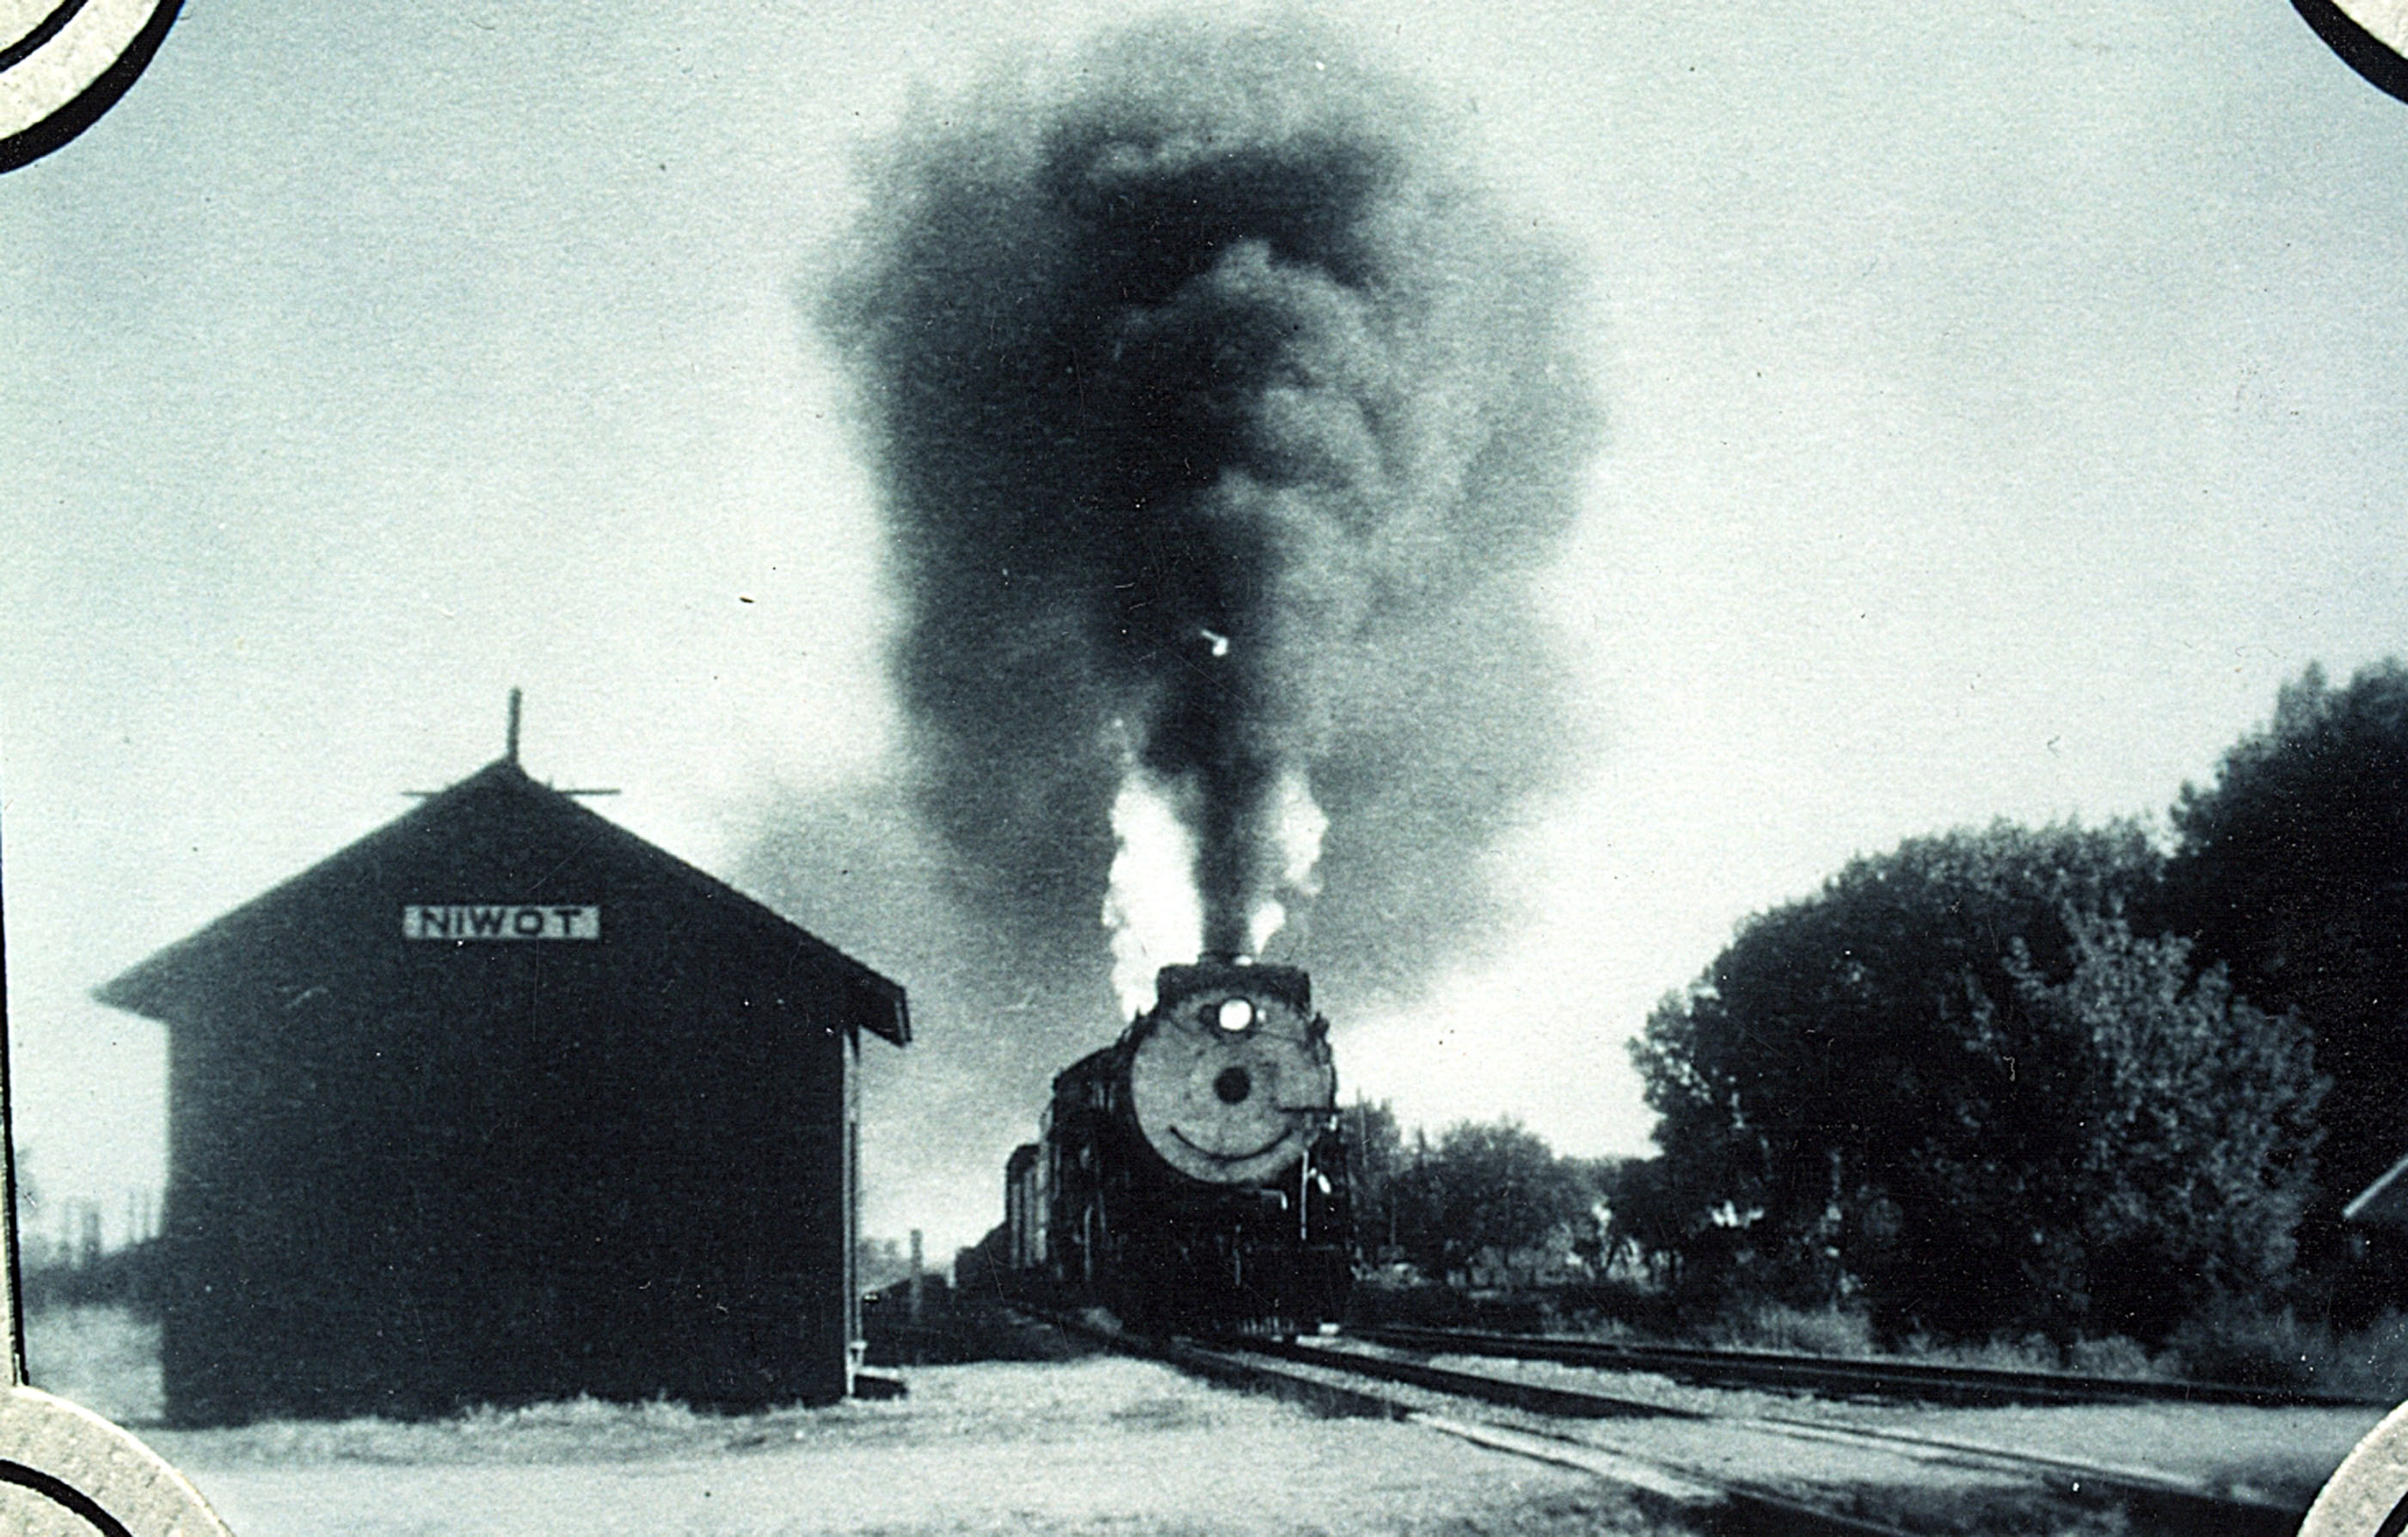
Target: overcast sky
(2002, 402)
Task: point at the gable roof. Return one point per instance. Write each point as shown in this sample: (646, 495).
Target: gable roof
(496, 819)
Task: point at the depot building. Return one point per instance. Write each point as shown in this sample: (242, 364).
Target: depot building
(501, 1103)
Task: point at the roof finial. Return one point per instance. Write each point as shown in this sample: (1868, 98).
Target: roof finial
(513, 739)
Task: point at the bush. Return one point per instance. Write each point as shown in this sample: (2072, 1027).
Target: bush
(2237, 1343)
(1612, 1309)
(2373, 1361)
(1847, 1331)
(2113, 1357)
(1433, 1305)
(2234, 1342)
(1957, 1088)
(1802, 1331)
(1999, 1352)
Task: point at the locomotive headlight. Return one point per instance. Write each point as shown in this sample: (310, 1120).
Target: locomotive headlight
(1235, 1013)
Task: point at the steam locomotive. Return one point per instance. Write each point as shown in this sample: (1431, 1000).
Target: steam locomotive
(1190, 1177)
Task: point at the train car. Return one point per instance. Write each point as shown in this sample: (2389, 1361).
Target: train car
(1191, 1176)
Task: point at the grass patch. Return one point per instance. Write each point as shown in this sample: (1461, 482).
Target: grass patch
(2277, 1348)
(2232, 1343)
(1791, 1331)
(1842, 1332)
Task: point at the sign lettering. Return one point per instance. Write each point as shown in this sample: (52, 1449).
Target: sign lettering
(499, 921)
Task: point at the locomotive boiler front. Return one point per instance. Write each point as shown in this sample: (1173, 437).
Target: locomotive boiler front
(1229, 1077)
(1190, 1175)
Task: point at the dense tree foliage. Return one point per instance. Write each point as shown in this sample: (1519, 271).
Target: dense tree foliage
(1654, 1216)
(2292, 871)
(2185, 1163)
(1495, 1185)
(1955, 1080)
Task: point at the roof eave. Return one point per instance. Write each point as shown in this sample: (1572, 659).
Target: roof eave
(2384, 1202)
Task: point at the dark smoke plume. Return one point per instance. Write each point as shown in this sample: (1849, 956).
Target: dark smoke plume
(1217, 409)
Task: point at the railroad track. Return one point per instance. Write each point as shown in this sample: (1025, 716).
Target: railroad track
(1845, 1376)
(1711, 1470)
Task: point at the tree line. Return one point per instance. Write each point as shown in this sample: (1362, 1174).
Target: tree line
(2070, 1080)
(1482, 1199)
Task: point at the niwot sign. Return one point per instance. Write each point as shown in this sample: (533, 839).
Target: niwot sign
(499, 921)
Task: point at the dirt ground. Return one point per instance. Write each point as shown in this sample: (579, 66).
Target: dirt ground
(1079, 1448)
(1096, 1446)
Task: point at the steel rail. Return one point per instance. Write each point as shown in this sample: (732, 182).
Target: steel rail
(1714, 1502)
(2162, 1501)
(1726, 1507)
(1925, 1381)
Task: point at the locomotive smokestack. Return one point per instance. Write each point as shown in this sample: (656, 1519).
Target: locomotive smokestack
(1206, 387)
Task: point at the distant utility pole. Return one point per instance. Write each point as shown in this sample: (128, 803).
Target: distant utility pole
(919, 1281)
